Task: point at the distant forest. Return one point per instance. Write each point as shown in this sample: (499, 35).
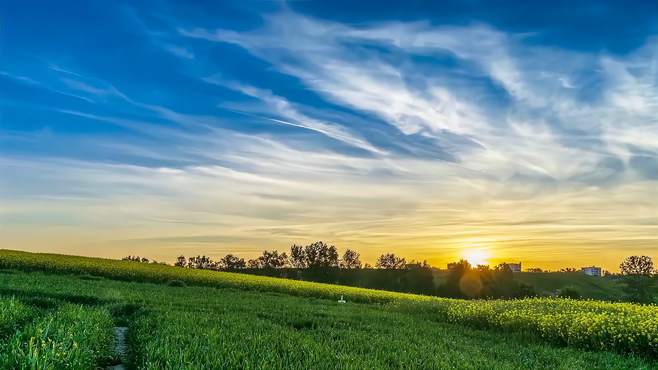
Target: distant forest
(320, 262)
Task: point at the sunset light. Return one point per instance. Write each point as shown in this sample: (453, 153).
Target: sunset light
(476, 257)
(329, 184)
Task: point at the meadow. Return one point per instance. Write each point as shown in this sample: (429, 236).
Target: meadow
(606, 288)
(60, 311)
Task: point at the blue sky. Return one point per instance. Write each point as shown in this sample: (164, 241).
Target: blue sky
(523, 129)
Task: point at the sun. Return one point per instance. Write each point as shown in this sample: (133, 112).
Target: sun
(476, 257)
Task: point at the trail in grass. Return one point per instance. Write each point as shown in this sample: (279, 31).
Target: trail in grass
(120, 347)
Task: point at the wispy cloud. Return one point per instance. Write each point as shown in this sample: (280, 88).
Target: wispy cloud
(291, 116)
(178, 51)
(414, 137)
(535, 133)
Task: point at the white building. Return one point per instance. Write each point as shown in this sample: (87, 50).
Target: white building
(515, 267)
(592, 271)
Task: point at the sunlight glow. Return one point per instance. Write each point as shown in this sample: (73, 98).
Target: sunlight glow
(476, 257)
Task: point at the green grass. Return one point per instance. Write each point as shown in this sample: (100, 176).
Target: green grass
(296, 334)
(13, 314)
(549, 283)
(200, 328)
(603, 288)
(72, 337)
(155, 273)
(224, 320)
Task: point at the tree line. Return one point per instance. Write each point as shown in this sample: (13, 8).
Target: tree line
(321, 262)
(313, 256)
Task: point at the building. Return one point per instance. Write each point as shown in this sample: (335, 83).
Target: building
(514, 267)
(592, 271)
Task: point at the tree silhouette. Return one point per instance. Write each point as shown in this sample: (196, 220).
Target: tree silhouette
(181, 261)
(201, 263)
(637, 278)
(637, 265)
(351, 260)
(297, 256)
(135, 259)
(319, 254)
(270, 260)
(231, 262)
(390, 261)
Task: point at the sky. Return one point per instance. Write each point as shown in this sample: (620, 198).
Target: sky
(514, 131)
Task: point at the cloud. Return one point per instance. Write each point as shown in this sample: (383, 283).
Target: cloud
(291, 116)
(312, 50)
(408, 136)
(547, 127)
(178, 51)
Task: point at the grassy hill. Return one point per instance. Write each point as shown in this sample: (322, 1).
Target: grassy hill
(604, 288)
(548, 283)
(176, 318)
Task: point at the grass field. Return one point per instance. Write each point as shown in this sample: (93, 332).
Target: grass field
(588, 286)
(57, 308)
(547, 284)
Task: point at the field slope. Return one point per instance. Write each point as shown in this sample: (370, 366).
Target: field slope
(605, 288)
(180, 318)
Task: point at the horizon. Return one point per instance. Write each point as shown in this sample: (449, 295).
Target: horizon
(435, 131)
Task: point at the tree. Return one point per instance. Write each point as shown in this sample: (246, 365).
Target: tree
(351, 260)
(637, 265)
(181, 261)
(297, 256)
(201, 263)
(390, 261)
(231, 262)
(458, 269)
(637, 278)
(319, 254)
(135, 259)
(270, 260)
(462, 281)
(483, 268)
